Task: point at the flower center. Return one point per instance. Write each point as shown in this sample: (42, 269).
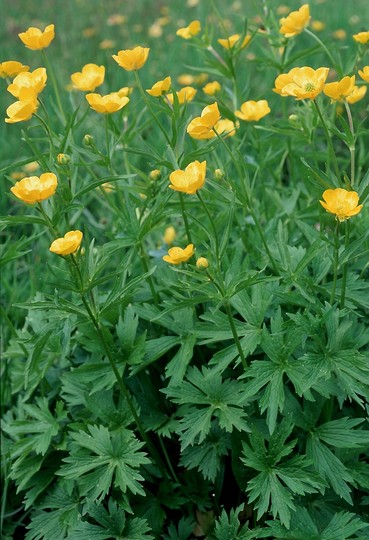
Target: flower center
(309, 87)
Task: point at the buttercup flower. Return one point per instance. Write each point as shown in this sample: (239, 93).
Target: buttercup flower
(226, 127)
(176, 255)
(189, 31)
(318, 26)
(107, 104)
(35, 39)
(211, 88)
(253, 110)
(361, 37)
(125, 91)
(201, 127)
(364, 73)
(189, 180)
(89, 78)
(160, 87)
(186, 79)
(169, 235)
(185, 94)
(106, 44)
(132, 59)
(231, 41)
(301, 83)
(342, 203)
(202, 263)
(68, 244)
(339, 34)
(20, 111)
(27, 86)
(358, 92)
(35, 189)
(295, 22)
(11, 68)
(338, 91)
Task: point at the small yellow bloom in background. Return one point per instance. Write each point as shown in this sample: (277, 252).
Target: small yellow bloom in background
(116, 19)
(107, 104)
(27, 85)
(68, 244)
(125, 91)
(132, 59)
(364, 73)
(186, 79)
(35, 39)
(202, 263)
(11, 68)
(340, 34)
(358, 92)
(201, 78)
(317, 26)
(106, 44)
(169, 235)
(189, 180)
(17, 175)
(160, 87)
(295, 22)
(192, 3)
(231, 41)
(202, 126)
(189, 31)
(155, 30)
(185, 94)
(107, 187)
(20, 111)
(226, 127)
(35, 189)
(283, 9)
(89, 78)
(252, 111)
(89, 32)
(361, 37)
(177, 255)
(301, 83)
(212, 88)
(155, 175)
(344, 204)
(30, 167)
(338, 91)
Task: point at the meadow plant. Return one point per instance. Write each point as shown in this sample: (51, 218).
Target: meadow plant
(186, 295)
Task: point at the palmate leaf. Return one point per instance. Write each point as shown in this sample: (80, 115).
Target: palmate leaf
(100, 459)
(204, 396)
(110, 523)
(228, 527)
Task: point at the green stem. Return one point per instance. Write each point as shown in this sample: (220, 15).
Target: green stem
(148, 104)
(216, 242)
(329, 140)
(352, 146)
(54, 83)
(326, 50)
(108, 145)
(344, 270)
(48, 220)
(335, 261)
(146, 266)
(48, 131)
(185, 218)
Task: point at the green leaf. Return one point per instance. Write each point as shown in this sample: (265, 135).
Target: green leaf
(228, 527)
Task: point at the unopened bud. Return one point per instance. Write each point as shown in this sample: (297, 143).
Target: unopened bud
(169, 235)
(219, 174)
(63, 159)
(88, 140)
(155, 175)
(202, 263)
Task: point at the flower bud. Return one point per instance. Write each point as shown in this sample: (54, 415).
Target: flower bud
(88, 140)
(202, 263)
(219, 174)
(155, 175)
(169, 235)
(63, 159)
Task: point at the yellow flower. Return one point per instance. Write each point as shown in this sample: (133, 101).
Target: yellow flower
(339, 34)
(189, 180)
(253, 110)
(68, 244)
(186, 79)
(116, 19)
(342, 203)
(125, 91)
(132, 59)
(318, 26)
(295, 22)
(160, 87)
(20, 111)
(27, 86)
(361, 37)
(107, 104)
(364, 73)
(31, 167)
(169, 235)
(226, 127)
(89, 78)
(35, 39)
(35, 189)
(231, 41)
(201, 78)
(358, 92)
(189, 31)
(301, 83)
(89, 32)
(211, 88)
(176, 255)
(185, 94)
(202, 263)
(106, 44)
(155, 175)
(155, 30)
(338, 91)
(11, 68)
(201, 127)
